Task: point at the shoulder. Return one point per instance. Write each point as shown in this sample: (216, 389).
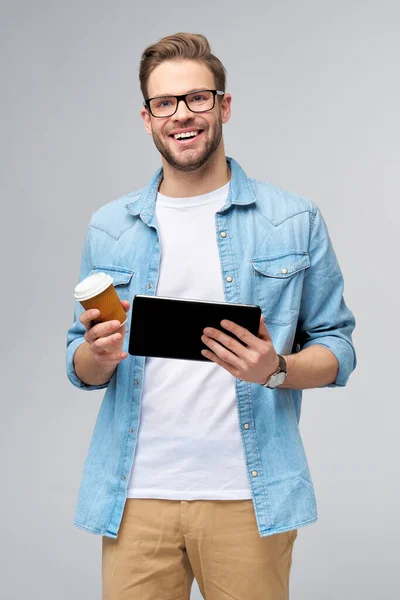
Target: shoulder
(113, 217)
(277, 204)
(114, 208)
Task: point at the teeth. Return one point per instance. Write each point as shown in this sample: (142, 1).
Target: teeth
(179, 136)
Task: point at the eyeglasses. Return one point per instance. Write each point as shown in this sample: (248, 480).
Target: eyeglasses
(197, 102)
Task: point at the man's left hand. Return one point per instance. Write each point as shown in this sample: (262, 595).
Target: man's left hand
(254, 362)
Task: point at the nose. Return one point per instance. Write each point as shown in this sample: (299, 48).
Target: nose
(182, 112)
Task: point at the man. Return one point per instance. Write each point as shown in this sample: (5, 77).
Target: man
(198, 469)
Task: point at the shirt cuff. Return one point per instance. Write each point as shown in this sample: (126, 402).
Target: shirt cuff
(344, 353)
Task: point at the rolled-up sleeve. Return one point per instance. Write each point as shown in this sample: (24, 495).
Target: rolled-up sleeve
(324, 317)
(76, 332)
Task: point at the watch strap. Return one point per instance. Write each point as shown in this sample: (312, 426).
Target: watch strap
(282, 365)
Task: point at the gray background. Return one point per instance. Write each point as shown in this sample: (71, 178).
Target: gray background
(315, 110)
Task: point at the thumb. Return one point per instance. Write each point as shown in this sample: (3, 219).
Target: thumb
(263, 332)
(125, 304)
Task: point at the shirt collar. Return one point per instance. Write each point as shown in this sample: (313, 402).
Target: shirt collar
(240, 193)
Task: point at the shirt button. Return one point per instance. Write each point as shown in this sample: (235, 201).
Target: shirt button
(284, 271)
(229, 279)
(137, 381)
(223, 234)
(149, 286)
(246, 425)
(124, 477)
(254, 473)
(132, 430)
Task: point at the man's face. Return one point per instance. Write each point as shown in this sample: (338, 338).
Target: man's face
(180, 77)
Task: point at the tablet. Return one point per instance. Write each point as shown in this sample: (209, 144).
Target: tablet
(172, 327)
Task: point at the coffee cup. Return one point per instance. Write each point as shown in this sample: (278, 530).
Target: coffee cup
(97, 291)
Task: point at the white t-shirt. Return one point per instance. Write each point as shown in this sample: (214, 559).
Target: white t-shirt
(189, 442)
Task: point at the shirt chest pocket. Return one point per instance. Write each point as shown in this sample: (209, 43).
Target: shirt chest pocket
(279, 285)
(121, 278)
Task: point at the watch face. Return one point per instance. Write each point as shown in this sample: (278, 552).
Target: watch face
(281, 378)
(277, 380)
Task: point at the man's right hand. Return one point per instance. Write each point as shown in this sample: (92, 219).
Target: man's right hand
(105, 340)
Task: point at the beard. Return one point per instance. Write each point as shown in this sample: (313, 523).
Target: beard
(191, 159)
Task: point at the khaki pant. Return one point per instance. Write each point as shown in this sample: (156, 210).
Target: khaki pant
(163, 544)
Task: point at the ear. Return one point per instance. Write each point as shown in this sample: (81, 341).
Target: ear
(144, 113)
(226, 108)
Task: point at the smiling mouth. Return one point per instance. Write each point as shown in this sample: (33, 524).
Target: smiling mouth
(188, 137)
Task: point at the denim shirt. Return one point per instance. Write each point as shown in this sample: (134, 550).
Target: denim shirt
(274, 251)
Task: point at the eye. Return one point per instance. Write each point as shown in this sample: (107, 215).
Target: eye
(198, 98)
(163, 103)
(202, 98)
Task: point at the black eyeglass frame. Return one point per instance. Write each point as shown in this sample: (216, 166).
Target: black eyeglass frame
(183, 97)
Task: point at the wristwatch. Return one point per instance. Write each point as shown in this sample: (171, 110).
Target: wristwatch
(277, 378)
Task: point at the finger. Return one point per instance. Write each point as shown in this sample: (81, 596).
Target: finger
(227, 340)
(88, 316)
(243, 334)
(101, 330)
(223, 353)
(108, 356)
(263, 332)
(218, 361)
(107, 345)
(111, 358)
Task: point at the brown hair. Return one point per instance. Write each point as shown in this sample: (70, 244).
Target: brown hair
(180, 46)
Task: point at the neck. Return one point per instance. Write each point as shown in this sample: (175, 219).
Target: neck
(213, 175)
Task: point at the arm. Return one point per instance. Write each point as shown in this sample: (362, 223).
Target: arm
(92, 378)
(324, 330)
(313, 367)
(93, 350)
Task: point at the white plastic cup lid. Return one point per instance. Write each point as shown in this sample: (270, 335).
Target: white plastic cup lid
(92, 286)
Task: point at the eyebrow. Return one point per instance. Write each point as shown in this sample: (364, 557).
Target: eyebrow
(189, 92)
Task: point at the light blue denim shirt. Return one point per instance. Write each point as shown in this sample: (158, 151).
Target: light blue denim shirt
(274, 251)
